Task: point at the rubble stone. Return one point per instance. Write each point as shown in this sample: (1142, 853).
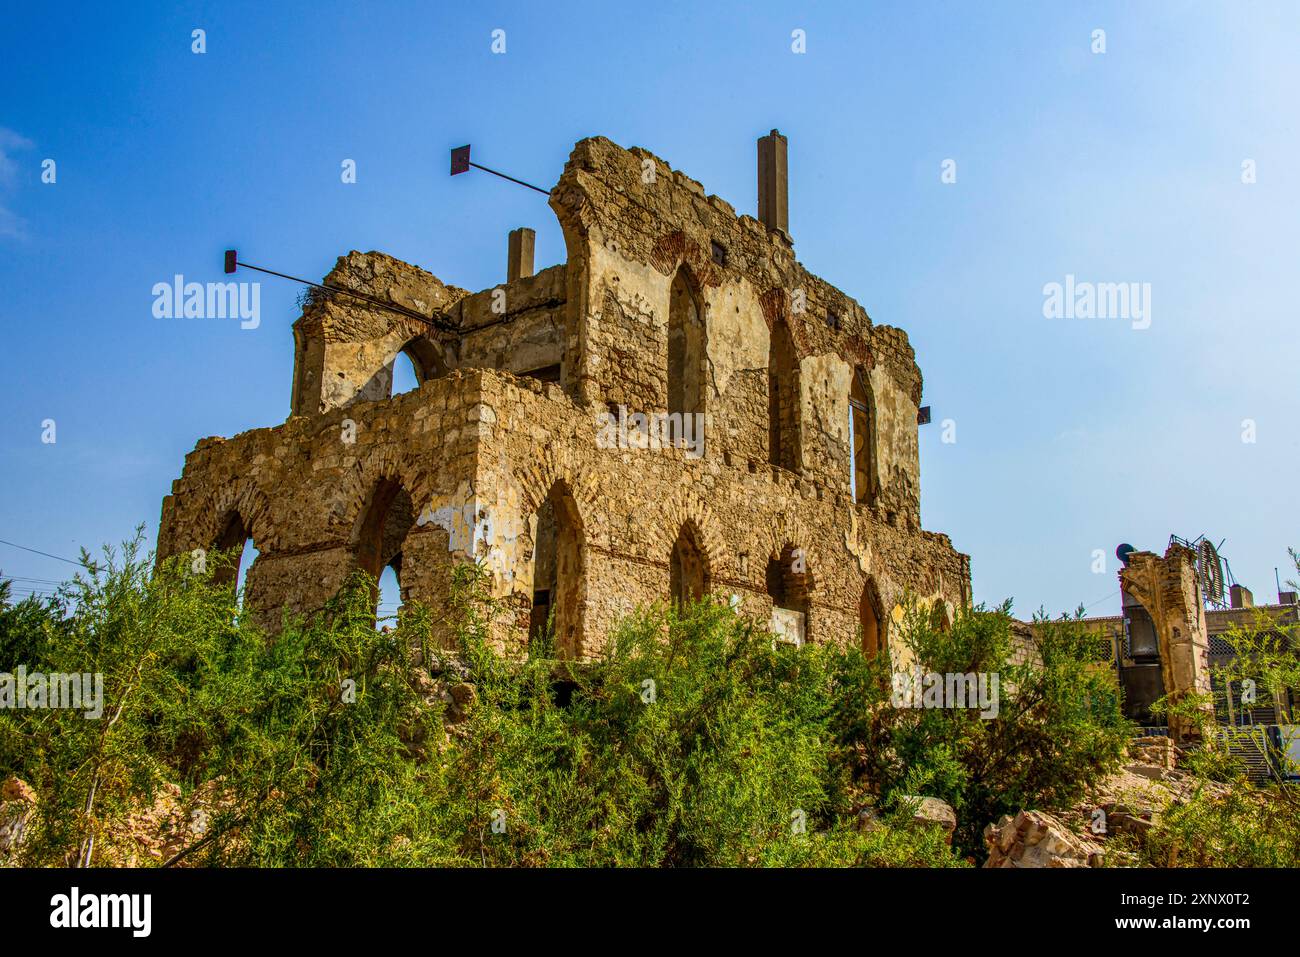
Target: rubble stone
(17, 804)
(1036, 839)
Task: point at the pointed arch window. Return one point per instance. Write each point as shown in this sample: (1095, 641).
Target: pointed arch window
(862, 442)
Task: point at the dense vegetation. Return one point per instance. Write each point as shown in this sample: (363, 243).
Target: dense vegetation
(1243, 825)
(696, 740)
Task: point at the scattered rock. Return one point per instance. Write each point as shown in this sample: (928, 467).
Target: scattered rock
(17, 803)
(869, 820)
(1036, 839)
(15, 789)
(931, 812)
(1149, 771)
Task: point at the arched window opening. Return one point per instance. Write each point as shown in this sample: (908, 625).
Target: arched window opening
(862, 440)
(405, 377)
(390, 595)
(234, 535)
(873, 621)
(381, 532)
(789, 586)
(687, 346)
(419, 361)
(687, 574)
(238, 553)
(943, 616)
(555, 620)
(783, 399)
(249, 555)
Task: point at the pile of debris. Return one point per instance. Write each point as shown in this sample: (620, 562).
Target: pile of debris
(1128, 803)
(1037, 839)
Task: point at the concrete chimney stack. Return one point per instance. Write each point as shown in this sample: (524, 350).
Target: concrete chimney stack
(519, 258)
(774, 183)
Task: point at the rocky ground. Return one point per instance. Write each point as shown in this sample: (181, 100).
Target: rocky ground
(1129, 802)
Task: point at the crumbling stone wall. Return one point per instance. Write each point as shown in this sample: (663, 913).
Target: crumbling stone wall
(1168, 588)
(463, 468)
(633, 223)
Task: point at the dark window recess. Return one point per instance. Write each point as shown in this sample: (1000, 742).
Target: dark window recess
(719, 254)
(544, 374)
(542, 597)
(1140, 634)
(833, 320)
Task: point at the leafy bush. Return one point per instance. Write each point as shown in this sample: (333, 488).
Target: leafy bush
(1058, 728)
(1243, 826)
(194, 695)
(696, 740)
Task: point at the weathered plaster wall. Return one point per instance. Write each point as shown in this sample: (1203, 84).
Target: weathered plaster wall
(634, 231)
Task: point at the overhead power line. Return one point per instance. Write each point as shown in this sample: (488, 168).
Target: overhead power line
(37, 551)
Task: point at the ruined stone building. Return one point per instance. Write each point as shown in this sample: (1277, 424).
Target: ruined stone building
(553, 437)
(1169, 640)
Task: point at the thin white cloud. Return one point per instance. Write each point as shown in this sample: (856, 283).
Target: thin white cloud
(11, 224)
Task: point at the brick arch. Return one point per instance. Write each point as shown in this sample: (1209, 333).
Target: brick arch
(686, 506)
(675, 249)
(254, 508)
(791, 532)
(425, 353)
(388, 462)
(787, 530)
(775, 304)
(556, 465)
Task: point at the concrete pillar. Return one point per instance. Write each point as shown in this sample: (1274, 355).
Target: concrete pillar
(774, 183)
(1242, 597)
(519, 260)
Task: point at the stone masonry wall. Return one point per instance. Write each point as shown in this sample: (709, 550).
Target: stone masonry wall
(470, 457)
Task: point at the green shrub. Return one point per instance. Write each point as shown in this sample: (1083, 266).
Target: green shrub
(1242, 827)
(696, 740)
(1058, 728)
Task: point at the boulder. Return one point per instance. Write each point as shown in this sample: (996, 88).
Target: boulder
(932, 812)
(929, 812)
(461, 699)
(1036, 839)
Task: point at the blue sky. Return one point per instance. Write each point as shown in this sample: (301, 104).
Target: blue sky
(1071, 435)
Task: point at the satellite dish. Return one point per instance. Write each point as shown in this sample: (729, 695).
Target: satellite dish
(1211, 569)
(1123, 552)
